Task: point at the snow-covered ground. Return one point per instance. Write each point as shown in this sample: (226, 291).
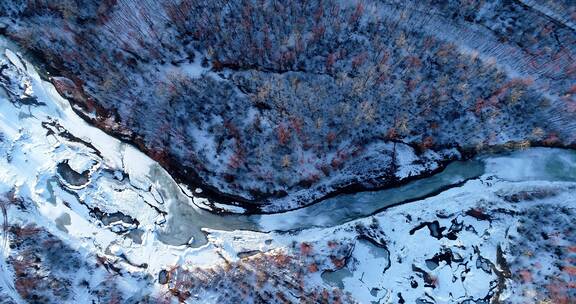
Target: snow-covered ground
(103, 223)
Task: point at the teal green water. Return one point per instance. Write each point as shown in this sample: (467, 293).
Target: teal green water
(546, 164)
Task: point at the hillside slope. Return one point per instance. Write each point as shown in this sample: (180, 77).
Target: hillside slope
(275, 105)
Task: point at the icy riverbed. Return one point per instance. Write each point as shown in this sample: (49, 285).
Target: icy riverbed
(453, 237)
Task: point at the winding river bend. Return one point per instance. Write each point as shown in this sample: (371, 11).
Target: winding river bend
(186, 221)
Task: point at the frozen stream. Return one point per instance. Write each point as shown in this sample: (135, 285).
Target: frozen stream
(185, 220)
(548, 164)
